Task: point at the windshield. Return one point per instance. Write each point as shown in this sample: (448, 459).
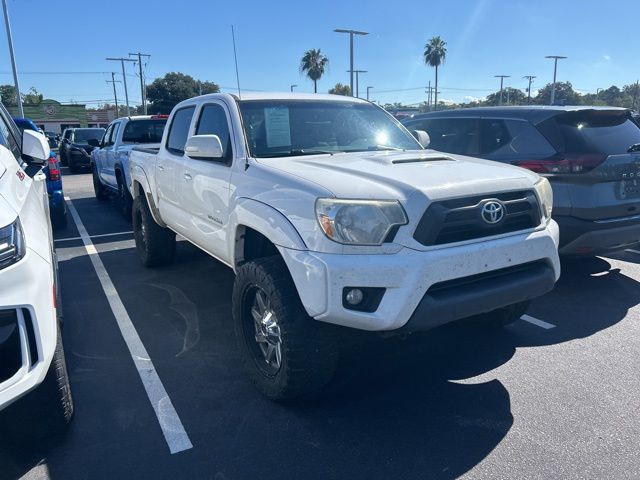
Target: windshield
(144, 131)
(280, 128)
(83, 135)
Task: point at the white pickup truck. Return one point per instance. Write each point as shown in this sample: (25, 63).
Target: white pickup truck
(110, 162)
(331, 212)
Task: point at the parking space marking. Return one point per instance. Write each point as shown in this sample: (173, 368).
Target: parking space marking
(69, 239)
(633, 251)
(171, 425)
(537, 322)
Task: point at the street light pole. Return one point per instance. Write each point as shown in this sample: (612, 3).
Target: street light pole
(530, 78)
(351, 34)
(142, 88)
(368, 88)
(13, 58)
(555, 70)
(292, 86)
(124, 80)
(501, 77)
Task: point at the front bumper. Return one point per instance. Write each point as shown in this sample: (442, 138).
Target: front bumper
(28, 345)
(409, 275)
(594, 237)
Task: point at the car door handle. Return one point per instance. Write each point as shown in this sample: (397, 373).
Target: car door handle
(187, 176)
(160, 167)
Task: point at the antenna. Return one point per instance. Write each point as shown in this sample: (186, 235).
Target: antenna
(235, 56)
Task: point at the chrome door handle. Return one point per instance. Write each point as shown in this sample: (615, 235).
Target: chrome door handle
(187, 176)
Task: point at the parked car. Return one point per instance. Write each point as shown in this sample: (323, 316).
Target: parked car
(111, 160)
(53, 139)
(57, 205)
(591, 156)
(76, 147)
(32, 362)
(330, 212)
(63, 145)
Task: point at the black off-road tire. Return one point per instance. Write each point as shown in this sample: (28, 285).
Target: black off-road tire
(125, 202)
(156, 245)
(503, 316)
(309, 348)
(100, 190)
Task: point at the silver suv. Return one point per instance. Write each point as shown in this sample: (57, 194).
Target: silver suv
(591, 156)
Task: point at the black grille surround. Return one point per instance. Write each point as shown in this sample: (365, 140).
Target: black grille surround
(460, 219)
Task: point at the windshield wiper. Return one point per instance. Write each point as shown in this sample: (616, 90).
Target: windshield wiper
(634, 148)
(295, 153)
(377, 148)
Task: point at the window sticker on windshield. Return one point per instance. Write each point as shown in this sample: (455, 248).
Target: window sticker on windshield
(276, 122)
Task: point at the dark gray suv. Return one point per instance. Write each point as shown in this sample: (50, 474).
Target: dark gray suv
(591, 156)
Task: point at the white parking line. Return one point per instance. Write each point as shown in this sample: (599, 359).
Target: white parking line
(172, 428)
(537, 322)
(68, 239)
(633, 251)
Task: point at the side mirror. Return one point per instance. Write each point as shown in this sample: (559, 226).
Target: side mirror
(35, 146)
(204, 147)
(94, 142)
(422, 137)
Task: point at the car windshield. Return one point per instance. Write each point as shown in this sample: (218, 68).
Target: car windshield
(281, 128)
(144, 131)
(83, 135)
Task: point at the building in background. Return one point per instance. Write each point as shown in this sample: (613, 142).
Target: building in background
(53, 116)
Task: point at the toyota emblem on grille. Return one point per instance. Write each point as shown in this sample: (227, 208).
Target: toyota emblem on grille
(492, 212)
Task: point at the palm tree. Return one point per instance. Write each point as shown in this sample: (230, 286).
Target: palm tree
(435, 51)
(313, 64)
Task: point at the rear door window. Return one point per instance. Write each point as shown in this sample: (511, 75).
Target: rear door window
(494, 135)
(521, 141)
(179, 130)
(452, 135)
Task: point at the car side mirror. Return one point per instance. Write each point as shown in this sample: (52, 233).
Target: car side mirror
(35, 146)
(204, 147)
(94, 142)
(422, 137)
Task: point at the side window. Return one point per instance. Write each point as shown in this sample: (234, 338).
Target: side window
(213, 121)
(105, 138)
(493, 135)
(527, 142)
(179, 130)
(8, 139)
(451, 135)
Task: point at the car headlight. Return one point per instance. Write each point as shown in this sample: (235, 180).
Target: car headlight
(12, 246)
(545, 196)
(359, 222)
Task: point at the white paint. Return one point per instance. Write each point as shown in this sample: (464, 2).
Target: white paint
(633, 251)
(172, 428)
(537, 322)
(68, 239)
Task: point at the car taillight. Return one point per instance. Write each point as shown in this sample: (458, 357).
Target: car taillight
(563, 164)
(54, 170)
(160, 116)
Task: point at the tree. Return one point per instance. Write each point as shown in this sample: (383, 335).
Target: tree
(340, 89)
(32, 97)
(435, 52)
(8, 95)
(313, 64)
(565, 94)
(510, 96)
(166, 92)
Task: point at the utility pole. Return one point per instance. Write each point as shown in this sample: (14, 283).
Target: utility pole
(124, 79)
(635, 95)
(555, 70)
(143, 93)
(115, 94)
(292, 86)
(351, 34)
(368, 88)
(357, 92)
(530, 78)
(429, 96)
(13, 58)
(501, 77)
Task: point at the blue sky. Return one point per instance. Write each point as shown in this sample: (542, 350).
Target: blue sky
(484, 38)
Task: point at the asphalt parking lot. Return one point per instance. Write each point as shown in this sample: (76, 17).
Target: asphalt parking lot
(556, 395)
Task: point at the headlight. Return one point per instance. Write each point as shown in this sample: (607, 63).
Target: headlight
(545, 196)
(12, 247)
(359, 222)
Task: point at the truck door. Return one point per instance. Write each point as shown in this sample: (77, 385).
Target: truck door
(205, 183)
(110, 156)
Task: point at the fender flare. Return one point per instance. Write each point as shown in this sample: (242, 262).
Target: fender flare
(139, 178)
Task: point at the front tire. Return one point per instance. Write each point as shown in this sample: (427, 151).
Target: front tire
(99, 189)
(156, 245)
(285, 353)
(125, 202)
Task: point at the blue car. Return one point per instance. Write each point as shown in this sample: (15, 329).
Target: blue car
(57, 206)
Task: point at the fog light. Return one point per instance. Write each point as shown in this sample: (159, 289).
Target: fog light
(354, 296)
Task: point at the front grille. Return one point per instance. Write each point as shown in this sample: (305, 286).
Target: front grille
(460, 219)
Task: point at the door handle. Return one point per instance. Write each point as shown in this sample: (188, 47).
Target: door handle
(160, 167)
(187, 176)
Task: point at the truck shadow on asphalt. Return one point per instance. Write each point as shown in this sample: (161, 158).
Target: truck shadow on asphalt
(397, 408)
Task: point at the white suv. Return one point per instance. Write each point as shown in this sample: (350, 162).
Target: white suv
(31, 353)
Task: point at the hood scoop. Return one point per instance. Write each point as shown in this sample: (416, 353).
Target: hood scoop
(424, 158)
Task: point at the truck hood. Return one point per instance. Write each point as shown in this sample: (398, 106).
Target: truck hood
(398, 175)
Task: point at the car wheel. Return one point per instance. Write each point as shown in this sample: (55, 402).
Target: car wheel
(63, 158)
(156, 245)
(99, 189)
(59, 219)
(72, 166)
(503, 316)
(125, 201)
(285, 353)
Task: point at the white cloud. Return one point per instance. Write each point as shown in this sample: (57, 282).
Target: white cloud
(470, 98)
(606, 57)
